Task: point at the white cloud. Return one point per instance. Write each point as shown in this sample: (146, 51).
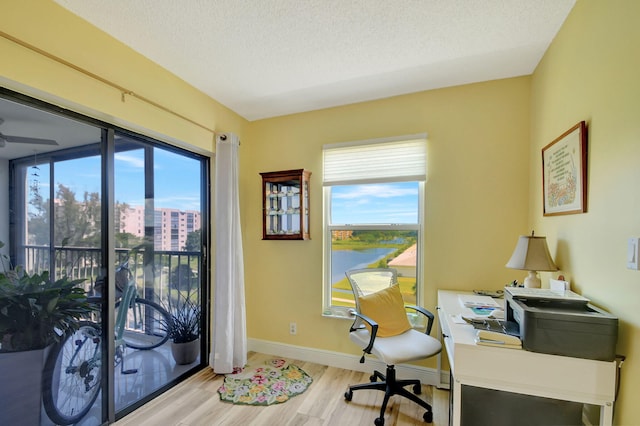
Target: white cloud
(131, 160)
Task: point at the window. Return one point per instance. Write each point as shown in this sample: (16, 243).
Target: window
(373, 198)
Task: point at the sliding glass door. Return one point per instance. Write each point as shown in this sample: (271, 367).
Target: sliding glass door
(125, 218)
(159, 210)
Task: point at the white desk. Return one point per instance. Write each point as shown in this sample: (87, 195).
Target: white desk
(520, 371)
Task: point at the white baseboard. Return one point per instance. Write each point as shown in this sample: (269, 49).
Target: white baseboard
(428, 376)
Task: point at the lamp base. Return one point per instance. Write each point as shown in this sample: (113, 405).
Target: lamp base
(532, 280)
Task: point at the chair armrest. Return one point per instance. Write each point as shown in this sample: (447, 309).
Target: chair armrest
(374, 330)
(426, 313)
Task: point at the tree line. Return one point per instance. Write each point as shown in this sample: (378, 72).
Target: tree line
(78, 223)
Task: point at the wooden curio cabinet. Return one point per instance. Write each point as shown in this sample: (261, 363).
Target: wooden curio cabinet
(285, 205)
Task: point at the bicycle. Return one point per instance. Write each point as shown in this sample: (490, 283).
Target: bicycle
(73, 369)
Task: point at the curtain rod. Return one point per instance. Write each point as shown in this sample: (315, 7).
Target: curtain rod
(123, 90)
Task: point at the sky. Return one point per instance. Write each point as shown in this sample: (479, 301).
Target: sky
(382, 203)
(177, 185)
(177, 178)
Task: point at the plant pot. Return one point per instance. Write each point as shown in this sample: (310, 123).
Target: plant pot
(21, 390)
(185, 353)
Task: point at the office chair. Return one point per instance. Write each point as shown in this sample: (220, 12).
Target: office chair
(381, 328)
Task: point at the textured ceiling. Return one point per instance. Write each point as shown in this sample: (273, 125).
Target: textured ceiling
(264, 58)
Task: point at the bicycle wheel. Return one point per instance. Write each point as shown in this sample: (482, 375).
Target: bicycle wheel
(72, 373)
(146, 324)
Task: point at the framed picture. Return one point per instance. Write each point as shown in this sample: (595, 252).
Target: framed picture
(564, 172)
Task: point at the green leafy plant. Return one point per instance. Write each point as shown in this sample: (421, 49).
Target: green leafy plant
(186, 314)
(36, 311)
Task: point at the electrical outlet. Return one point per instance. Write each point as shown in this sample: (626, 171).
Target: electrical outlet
(293, 328)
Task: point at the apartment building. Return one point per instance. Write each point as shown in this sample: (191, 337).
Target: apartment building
(171, 226)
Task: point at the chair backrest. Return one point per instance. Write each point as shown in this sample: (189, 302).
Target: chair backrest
(367, 281)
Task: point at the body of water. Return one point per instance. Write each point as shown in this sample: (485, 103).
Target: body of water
(344, 260)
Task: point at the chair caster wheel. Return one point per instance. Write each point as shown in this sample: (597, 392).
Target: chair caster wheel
(373, 378)
(348, 395)
(379, 421)
(428, 416)
(417, 389)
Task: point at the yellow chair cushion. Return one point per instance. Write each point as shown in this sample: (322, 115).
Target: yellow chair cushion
(386, 307)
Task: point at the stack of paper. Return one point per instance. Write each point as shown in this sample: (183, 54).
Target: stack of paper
(478, 306)
(501, 340)
(476, 301)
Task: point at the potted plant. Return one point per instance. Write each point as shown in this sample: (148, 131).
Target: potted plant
(184, 329)
(35, 312)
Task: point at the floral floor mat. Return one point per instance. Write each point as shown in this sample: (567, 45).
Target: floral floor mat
(273, 382)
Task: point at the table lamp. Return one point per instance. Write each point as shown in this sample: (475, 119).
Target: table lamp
(532, 254)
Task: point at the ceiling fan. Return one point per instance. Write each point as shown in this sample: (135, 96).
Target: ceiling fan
(20, 139)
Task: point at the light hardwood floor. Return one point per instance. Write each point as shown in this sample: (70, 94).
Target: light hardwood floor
(196, 402)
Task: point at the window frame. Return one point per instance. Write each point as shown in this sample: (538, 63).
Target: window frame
(329, 310)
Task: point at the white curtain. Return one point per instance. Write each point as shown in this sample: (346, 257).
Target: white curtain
(229, 340)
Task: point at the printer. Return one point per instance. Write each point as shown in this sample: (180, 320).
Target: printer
(561, 323)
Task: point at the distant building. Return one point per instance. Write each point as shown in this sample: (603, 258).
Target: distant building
(132, 221)
(405, 262)
(341, 235)
(171, 226)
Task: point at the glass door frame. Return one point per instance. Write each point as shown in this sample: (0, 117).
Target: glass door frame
(106, 149)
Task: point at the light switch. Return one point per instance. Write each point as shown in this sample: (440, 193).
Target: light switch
(632, 253)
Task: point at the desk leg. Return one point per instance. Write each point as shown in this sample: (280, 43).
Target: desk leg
(456, 388)
(606, 414)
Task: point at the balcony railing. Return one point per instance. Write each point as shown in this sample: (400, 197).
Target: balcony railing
(166, 270)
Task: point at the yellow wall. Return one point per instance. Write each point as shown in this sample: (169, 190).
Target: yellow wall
(476, 198)
(484, 186)
(591, 72)
(51, 28)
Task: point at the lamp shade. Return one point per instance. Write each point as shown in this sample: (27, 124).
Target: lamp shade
(531, 254)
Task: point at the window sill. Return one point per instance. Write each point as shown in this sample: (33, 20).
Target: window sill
(338, 312)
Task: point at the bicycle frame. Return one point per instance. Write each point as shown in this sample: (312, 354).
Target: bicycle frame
(126, 303)
(126, 300)
(140, 324)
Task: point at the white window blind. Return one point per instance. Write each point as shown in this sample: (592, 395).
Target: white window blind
(399, 159)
